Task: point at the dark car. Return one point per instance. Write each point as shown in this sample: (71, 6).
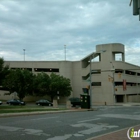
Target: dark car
(44, 102)
(75, 101)
(15, 102)
(0, 102)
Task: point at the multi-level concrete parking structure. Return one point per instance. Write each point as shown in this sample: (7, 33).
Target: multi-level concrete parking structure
(112, 80)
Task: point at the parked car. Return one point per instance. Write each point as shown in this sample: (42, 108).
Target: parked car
(75, 101)
(44, 102)
(15, 102)
(0, 102)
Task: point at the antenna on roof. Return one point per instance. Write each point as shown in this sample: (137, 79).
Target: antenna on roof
(24, 54)
(65, 51)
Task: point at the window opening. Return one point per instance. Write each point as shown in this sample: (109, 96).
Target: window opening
(118, 56)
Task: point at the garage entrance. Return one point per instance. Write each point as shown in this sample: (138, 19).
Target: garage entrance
(119, 98)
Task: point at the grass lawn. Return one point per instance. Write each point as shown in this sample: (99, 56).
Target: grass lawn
(17, 109)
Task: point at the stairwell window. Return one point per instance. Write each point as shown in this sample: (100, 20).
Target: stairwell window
(96, 84)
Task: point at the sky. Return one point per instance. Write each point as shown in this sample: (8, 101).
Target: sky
(44, 27)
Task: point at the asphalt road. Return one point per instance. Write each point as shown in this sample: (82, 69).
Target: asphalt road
(69, 126)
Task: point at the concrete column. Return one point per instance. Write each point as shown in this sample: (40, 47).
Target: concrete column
(55, 103)
(125, 98)
(68, 104)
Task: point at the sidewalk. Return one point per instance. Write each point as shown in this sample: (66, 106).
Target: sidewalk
(117, 135)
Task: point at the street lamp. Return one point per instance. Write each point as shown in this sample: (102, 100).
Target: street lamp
(65, 51)
(113, 82)
(24, 54)
(90, 72)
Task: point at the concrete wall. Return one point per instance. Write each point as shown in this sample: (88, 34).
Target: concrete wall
(79, 71)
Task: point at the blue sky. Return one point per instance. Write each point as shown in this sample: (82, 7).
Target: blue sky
(43, 27)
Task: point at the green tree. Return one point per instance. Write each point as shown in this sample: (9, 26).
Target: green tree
(51, 85)
(59, 84)
(41, 84)
(20, 81)
(3, 70)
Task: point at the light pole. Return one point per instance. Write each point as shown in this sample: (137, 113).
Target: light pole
(90, 73)
(90, 83)
(24, 54)
(113, 82)
(65, 51)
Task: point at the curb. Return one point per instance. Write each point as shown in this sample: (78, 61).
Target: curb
(40, 112)
(106, 134)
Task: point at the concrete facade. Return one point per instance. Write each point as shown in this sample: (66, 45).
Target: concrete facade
(112, 79)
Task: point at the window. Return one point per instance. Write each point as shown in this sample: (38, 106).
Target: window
(30, 69)
(118, 83)
(96, 59)
(46, 70)
(118, 56)
(96, 84)
(130, 72)
(138, 74)
(96, 72)
(118, 71)
(130, 84)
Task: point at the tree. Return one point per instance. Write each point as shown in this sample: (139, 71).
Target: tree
(59, 84)
(51, 85)
(3, 70)
(20, 81)
(41, 84)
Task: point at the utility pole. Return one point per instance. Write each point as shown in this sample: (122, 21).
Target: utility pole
(113, 82)
(65, 51)
(24, 54)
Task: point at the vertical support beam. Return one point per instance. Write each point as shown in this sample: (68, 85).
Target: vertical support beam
(90, 83)
(114, 96)
(125, 98)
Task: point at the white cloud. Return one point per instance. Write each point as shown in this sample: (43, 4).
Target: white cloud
(10, 55)
(133, 53)
(3, 8)
(43, 27)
